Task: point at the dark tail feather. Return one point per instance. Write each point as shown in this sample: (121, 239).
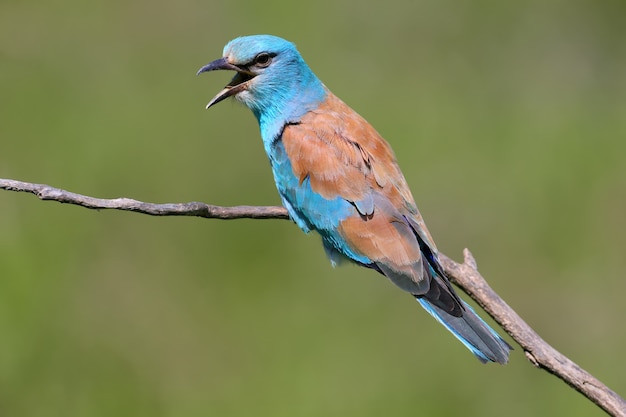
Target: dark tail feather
(473, 332)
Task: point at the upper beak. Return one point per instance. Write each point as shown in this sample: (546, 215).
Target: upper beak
(236, 85)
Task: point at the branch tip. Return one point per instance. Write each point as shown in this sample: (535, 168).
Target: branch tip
(468, 259)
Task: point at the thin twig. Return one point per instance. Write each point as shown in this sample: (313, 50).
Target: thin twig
(538, 351)
(195, 209)
(464, 275)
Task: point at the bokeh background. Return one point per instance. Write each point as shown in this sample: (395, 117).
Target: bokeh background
(508, 118)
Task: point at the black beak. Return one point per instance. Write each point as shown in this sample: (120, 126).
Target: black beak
(218, 64)
(236, 85)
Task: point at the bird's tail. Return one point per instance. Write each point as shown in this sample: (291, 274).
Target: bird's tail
(472, 331)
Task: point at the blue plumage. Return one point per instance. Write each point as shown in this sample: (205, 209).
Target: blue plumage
(468, 329)
(337, 176)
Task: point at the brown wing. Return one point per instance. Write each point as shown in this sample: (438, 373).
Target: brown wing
(343, 155)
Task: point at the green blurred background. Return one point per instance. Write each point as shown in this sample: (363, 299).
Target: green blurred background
(508, 118)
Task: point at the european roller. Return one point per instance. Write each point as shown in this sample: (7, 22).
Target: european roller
(337, 176)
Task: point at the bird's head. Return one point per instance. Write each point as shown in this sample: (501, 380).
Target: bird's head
(271, 77)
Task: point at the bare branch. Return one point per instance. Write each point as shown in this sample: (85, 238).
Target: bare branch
(464, 275)
(46, 192)
(537, 350)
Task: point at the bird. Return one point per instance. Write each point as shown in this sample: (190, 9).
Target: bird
(337, 176)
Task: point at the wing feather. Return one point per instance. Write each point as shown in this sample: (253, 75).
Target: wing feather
(342, 155)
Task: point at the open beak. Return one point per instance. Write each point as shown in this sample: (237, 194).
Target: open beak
(235, 86)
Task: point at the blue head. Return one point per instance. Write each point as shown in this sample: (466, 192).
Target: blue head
(271, 79)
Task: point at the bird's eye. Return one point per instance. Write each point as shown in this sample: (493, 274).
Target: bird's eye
(263, 60)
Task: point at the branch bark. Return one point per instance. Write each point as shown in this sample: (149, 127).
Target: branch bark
(464, 275)
(194, 209)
